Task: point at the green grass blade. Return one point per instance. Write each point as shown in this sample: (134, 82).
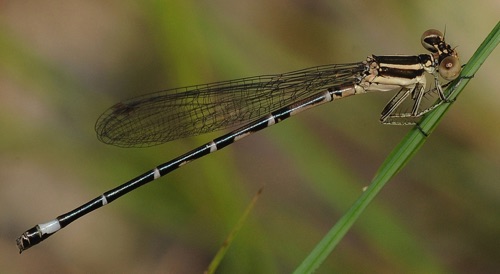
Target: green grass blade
(212, 267)
(399, 157)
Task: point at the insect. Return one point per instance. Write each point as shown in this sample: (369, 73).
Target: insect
(265, 100)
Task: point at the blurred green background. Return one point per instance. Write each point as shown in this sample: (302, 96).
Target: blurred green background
(63, 63)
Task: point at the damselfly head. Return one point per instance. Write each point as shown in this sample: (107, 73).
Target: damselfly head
(449, 65)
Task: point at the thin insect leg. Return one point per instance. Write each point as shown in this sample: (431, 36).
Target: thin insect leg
(394, 103)
(468, 76)
(439, 88)
(419, 94)
(448, 100)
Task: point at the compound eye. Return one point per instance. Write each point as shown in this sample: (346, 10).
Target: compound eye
(449, 68)
(430, 39)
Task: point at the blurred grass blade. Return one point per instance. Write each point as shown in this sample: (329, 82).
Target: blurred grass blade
(227, 243)
(399, 157)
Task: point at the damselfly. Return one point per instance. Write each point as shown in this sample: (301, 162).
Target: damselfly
(164, 116)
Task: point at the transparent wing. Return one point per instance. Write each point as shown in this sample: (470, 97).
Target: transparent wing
(167, 115)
